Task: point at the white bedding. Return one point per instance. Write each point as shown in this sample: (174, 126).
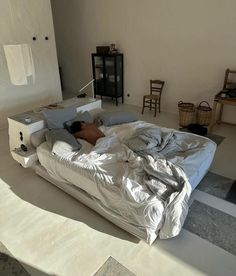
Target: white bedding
(190, 152)
(195, 166)
(195, 163)
(61, 169)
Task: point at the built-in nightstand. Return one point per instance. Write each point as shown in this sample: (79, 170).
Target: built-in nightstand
(21, 127)
(25, 158)
(20, 130)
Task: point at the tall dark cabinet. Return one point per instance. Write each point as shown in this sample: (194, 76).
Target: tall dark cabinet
(108, 73)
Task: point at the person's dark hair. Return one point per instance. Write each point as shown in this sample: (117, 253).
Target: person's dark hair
(76, 126)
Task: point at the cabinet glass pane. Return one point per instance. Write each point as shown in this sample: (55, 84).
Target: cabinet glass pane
(119, 75)
(110, 67)
(98, 61)
(99, 74)
(110, 76)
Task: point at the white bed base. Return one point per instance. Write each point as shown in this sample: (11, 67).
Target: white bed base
(196, 178)
(88, 200)
(92, 203)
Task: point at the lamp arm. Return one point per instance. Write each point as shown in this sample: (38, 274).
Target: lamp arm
(86, 85)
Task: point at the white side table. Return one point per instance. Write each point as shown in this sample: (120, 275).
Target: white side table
(25, 158)
(82, 104)
(20, 129)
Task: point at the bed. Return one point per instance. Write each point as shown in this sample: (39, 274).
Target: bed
(115, 181)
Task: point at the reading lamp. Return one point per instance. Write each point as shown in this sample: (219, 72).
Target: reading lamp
(85, 86)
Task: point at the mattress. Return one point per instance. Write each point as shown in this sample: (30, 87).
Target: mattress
(63, 171)
(113, 180)
(89, 201)
(195, 163)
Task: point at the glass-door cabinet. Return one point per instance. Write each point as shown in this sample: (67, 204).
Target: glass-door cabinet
(108, 74)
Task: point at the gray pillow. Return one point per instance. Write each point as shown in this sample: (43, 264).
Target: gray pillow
(60, 141)
(38, 137)
(96, 112)
(57, 117)
(80, 117)
(116, 118)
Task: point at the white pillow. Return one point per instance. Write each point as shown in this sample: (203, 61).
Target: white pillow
(57, 117)
(38, 137)
(60, 142)
(117, 117)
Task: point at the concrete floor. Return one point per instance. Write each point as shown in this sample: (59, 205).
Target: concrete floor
(53, 234)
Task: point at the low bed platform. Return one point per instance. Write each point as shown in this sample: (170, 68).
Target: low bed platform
(187, 158)
(90, 201)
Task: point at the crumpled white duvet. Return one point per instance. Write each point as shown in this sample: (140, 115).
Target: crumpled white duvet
(150, 194)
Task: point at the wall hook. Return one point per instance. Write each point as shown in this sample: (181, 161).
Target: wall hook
(34, 38)
(46, 37)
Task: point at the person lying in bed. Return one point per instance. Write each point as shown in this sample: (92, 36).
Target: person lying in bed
(88, 132)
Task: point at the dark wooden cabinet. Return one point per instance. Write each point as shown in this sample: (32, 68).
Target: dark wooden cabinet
(108, 73)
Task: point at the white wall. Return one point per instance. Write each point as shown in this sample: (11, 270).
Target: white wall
(187, 43)
(20, 20)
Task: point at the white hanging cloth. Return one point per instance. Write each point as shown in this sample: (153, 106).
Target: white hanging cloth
(20, 63)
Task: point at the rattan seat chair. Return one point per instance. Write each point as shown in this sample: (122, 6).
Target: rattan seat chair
(153, 99)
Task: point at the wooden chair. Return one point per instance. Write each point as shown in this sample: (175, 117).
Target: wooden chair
(154, 98)
(229, 82)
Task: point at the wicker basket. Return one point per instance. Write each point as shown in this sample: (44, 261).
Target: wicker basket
(204, 113)
(186, 113)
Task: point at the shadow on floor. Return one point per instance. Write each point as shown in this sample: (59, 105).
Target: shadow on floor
(37, 191)
(10, 266)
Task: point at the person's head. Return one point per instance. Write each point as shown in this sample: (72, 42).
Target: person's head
(75, 127)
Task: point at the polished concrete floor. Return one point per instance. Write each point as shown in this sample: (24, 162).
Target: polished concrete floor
(51, 233)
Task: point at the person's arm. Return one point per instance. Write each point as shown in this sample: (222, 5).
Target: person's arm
(77, 134)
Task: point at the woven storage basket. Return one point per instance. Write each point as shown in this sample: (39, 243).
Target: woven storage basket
(186, 113)
(204, 113)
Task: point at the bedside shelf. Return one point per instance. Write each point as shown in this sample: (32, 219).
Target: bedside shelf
(20, 130)
(25, 158)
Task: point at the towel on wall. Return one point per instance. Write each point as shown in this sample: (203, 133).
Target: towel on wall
(20, 63)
